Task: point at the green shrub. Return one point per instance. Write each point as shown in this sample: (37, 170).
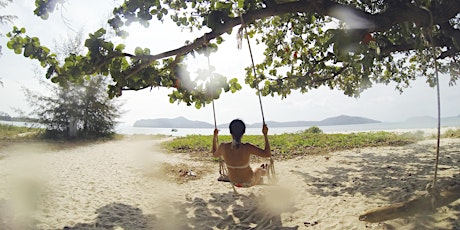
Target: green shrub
(313, 129)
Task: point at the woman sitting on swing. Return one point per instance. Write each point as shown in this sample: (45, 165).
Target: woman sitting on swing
(237, 155)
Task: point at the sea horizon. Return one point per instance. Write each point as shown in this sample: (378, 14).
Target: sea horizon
(428, 127)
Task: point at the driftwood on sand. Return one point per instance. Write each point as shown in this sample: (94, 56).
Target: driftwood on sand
(418, 205)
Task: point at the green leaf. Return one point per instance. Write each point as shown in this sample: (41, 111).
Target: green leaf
(18, 50)
(120, 47)
(198, 105)
(10, 44)
(28, 50)
(241, 4)
(138, 51)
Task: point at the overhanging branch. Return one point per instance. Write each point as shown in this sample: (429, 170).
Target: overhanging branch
(396, 13)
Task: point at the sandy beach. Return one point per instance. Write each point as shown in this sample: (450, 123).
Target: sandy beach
(130, 184)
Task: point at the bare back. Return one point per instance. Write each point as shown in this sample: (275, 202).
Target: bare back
(237, 160)
(237, 157)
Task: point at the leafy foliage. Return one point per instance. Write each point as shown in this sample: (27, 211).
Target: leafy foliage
(346, 45)
(45, 7)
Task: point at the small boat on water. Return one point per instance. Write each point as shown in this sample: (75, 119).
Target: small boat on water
(173, 130)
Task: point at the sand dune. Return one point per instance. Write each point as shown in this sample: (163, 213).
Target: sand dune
(123, 185)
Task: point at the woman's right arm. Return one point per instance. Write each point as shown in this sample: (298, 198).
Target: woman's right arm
(266, 152)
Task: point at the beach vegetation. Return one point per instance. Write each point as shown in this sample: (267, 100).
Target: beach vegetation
(313, 129)
(12, 132)
(451, 133)
(289, 145)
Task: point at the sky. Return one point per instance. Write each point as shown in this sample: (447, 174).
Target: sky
(381, 102)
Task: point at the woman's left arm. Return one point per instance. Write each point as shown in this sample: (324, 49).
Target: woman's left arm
(215, 148)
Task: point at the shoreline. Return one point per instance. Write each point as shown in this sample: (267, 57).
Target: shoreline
(426, 132)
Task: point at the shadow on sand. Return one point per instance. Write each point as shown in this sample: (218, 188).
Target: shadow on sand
(222, 211)
(397, 176)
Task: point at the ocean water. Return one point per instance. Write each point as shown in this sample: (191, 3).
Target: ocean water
(384, 126)
(425, 126)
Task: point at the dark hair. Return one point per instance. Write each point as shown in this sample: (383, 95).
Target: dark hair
(237, 129)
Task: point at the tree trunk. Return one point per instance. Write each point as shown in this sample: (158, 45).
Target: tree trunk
(418, 205)
(72, 127)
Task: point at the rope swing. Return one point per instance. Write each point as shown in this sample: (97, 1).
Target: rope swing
(222, 169)
(434, 190)
(271, 174)
(270, 168)
(243, 27)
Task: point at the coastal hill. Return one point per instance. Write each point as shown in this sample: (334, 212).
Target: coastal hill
(182, 122)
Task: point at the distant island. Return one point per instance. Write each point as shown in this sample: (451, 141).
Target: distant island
(179, 122)
(182, 122)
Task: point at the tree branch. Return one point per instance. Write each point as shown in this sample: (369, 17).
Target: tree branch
(396, 13)
(315, 6)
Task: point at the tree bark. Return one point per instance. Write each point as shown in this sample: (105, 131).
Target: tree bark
(421, 204)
